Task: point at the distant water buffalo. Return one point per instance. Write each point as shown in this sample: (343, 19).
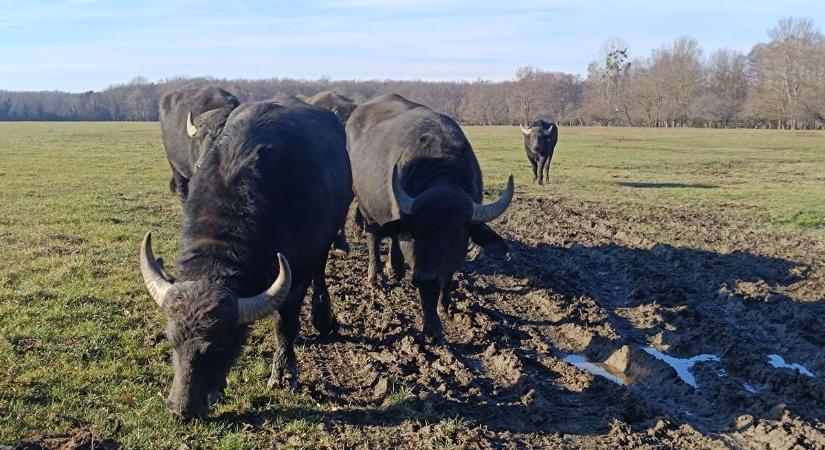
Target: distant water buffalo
(182, 111)
(265, 204)
(417, 180)
(341, 106)
(539, 142)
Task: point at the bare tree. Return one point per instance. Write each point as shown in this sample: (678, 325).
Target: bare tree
(524, 95)
(787, 74)
(676, 70)
(726, 86)
(780, 83)
(484, 103)
(607, 95)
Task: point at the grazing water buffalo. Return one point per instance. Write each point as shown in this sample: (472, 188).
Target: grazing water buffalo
(182, 111)
(341, 106)
(539, 142)
(267, 201)
(417, 180)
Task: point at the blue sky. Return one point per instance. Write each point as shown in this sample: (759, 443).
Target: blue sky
(78, 45)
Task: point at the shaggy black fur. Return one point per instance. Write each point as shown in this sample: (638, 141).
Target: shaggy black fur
(277, 179)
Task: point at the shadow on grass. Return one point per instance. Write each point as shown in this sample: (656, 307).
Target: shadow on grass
(642, 185)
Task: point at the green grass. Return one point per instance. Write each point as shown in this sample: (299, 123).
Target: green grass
(81, 343)
(775, 178)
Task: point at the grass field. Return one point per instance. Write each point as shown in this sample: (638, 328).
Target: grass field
(82, 344)
(771, 178)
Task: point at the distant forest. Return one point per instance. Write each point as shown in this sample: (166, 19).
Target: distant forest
(778, 84)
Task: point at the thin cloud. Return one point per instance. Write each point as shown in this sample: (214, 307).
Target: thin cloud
(89, 44)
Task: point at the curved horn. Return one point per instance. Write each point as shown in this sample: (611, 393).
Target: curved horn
(405, 202)
(152, 272)
(549, 130)
(486, 213)
(524, 131)
(191, 129)
(251, 309)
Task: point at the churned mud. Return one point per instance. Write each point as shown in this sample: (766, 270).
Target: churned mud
(684, 326)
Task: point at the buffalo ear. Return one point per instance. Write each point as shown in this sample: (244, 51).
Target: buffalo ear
(400, 229)
(489, 240)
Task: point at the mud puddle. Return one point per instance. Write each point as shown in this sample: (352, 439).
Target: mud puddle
(682, 366)
(779, 363)
(601, 369)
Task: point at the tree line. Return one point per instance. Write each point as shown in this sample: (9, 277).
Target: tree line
(778, 84)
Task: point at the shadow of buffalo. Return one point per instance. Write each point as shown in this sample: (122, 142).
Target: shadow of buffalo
(690, 287)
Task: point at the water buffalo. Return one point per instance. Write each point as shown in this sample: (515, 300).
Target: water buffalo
(266, 203)
(341, 106)
(182, 111)
(539, 142)
(417, 180)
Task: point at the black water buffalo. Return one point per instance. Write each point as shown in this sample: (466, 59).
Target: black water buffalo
(182, 111)
(341, 106)
(417, 180)
(268, 199)
(539, 142)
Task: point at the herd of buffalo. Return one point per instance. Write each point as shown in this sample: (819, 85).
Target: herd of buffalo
(266, 188)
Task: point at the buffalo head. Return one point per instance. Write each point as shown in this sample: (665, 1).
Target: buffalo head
(536, 138)
(205, 128)
(206, 325)
(437, 225)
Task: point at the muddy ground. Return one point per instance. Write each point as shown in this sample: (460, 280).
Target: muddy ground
(580, 280)
(598, 282)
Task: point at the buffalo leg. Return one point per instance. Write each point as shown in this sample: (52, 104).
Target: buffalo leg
(322, 317)
(547, 168)
(340, 246)
(359, 220)
(397, 265)
(428, 292)
(535, 170)
(542, 162)
(445, 299)
(284, 363)
(374, 246)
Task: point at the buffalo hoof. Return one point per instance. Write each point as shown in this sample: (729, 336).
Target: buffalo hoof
(446, 311)
(433, 334)
(326, 326)
(377, 280)
(284, 372)
(340, 246)
(285, 379)
(397, 273)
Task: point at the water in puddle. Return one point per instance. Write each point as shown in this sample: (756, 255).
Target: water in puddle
(750, 388)
(600, 369)
(680, 365)
(779, 362)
